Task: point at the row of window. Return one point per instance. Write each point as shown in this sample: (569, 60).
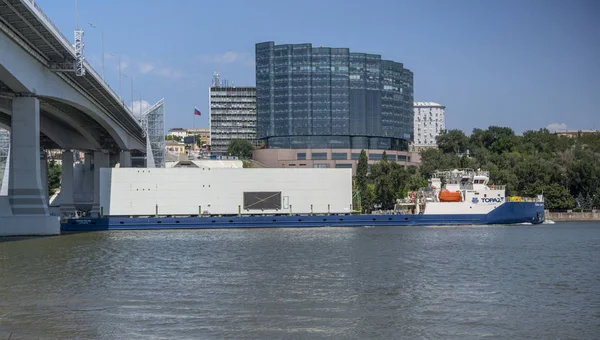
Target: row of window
(354, 156)
(321, 165)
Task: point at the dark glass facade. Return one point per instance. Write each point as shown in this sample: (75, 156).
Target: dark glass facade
(320, 97)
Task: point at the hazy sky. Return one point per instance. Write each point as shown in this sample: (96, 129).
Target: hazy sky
(519, 63)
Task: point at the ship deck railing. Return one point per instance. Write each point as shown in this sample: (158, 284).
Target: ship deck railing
(522, 199)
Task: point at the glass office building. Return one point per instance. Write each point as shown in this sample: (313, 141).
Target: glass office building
(320, 97)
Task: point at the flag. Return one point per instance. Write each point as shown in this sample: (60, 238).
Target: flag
(197, 112)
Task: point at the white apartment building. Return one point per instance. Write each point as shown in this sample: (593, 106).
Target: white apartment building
(429, 121)
(178, 132)
(232, 115)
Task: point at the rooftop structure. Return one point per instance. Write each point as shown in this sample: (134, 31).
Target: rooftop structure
(575, 133)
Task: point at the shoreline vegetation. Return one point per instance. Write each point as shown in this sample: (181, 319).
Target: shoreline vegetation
(566, 170)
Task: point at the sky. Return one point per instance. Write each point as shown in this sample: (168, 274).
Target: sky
(525, 64)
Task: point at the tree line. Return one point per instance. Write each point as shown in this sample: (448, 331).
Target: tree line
(386, 182)
(565, 170)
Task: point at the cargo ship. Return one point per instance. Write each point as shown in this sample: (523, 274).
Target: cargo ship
(454, 197)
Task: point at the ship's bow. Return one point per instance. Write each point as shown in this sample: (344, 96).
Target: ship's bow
(517, 212)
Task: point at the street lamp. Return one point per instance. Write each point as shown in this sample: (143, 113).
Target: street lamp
(102, 33)
(139, 103)
(131, 77)
(76, 14)
(120, 85)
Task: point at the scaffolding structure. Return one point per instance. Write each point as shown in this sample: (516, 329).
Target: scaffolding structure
(4, 154)
(153, 125)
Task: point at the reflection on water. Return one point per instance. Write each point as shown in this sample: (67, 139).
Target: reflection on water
(423, 282)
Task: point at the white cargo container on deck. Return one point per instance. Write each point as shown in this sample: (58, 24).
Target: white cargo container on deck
(218, 191)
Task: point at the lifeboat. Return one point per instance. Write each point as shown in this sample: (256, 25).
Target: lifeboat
(447, 196)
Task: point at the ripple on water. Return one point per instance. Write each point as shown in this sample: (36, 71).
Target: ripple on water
(421, 282)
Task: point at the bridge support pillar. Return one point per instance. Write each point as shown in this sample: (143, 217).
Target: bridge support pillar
(88, 168)
(67, 206)
(113, 159)
(44, 177)
(125, 159)
(29, 213)
(101, 160)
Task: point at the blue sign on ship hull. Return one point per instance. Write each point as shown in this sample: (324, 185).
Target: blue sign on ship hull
(507, 213)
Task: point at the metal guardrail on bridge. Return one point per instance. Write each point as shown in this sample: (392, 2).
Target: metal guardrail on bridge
(36, 9)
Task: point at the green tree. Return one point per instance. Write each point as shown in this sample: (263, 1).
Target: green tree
(174, 138)
(362, 168)
(368, 198)
(199, 141)
(381, 173)
(54, 173)
(433, 160)
(556, 196)
(452, 141)
(241, 148)
(537, 162)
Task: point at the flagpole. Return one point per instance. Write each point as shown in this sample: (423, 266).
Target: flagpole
(194, 129)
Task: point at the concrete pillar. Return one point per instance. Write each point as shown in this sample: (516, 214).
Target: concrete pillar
(101, 160)
(88, 178)
(26, 192)
(125, 159)
(4, 184)
(113, 159)
(44, 176)
(67, 207)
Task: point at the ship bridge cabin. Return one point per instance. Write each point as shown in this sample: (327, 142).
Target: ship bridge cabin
(465, 185)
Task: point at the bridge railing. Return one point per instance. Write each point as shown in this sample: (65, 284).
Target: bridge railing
(38, 10)
(53, 26)
(90, 69)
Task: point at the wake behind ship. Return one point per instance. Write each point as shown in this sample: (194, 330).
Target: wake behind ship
(205, 198)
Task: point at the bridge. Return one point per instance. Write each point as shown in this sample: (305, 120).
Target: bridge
(51, 98)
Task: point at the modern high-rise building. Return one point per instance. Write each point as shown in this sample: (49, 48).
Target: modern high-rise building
(330, 103)
(232, 115)
(429, 122)
(321, 97)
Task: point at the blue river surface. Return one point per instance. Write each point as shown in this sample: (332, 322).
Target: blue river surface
(480, 282)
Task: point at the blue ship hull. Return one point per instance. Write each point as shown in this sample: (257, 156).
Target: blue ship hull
(507, 213)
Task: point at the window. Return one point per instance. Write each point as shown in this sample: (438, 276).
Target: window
(339, 156)
(401, 158)
(319, 155)
(355, 156)
(317, 165)
(301, 156)
(344, 166)
(375, 156)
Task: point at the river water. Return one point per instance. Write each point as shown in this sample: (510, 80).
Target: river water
(505, 282)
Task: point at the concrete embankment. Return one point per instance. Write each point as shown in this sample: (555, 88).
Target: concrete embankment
(577, 216)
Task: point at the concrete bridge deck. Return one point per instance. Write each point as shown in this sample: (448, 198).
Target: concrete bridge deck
(46, 105)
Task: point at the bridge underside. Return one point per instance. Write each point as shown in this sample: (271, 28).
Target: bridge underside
(26, 209)
(62, 126)
(45, 105)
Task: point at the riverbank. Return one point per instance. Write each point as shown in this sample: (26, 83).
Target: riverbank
(577, 216)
